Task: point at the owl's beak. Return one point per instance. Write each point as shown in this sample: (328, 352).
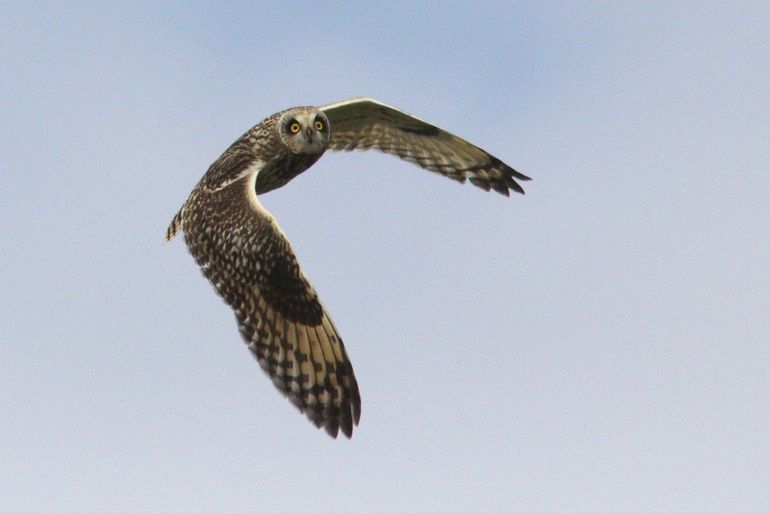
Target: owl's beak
(309, 134)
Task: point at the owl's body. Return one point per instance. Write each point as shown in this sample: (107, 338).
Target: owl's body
(249, 261)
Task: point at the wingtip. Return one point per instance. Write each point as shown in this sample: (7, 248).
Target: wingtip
(347, 431)
(332, 429)
(520, 176)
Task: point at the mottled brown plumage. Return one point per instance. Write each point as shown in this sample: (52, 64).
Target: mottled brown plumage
(247, 258)
(362, 123)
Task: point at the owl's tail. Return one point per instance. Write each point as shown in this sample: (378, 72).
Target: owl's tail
(175, 226)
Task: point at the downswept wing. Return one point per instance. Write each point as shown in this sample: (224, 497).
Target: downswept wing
(246, 257)
(364, 123)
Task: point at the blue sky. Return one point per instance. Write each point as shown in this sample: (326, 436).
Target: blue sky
(600, 344)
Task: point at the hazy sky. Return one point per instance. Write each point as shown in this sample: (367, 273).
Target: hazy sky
(601, 344)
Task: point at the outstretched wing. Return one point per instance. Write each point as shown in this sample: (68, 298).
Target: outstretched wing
(247, 258)
(363, 123)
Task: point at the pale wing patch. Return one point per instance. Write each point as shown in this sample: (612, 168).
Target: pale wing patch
(252, 170)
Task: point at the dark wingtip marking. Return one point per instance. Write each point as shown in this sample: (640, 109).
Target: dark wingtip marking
(513, 185)
(347, 429)
(332, 428)
(356, 409)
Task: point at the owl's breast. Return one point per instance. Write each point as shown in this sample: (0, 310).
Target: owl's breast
(282, 169)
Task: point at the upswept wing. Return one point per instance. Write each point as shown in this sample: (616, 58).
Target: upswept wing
(364, 123)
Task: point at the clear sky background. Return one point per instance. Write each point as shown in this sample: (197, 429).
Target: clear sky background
(598, 345)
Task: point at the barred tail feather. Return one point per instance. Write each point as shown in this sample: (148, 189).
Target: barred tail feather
(175, 226)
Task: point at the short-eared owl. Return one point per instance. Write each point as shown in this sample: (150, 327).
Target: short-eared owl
(247, 258)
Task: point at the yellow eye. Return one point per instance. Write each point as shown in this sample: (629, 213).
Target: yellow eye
(319, 125)
(294, 128)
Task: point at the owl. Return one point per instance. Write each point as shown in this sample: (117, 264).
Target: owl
(247, 258)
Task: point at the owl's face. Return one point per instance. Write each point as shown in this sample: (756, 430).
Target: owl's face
(304, 131)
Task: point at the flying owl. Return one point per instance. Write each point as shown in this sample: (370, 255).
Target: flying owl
(247, 258)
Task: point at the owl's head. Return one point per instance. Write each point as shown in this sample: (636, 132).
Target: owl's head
(304, 130)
